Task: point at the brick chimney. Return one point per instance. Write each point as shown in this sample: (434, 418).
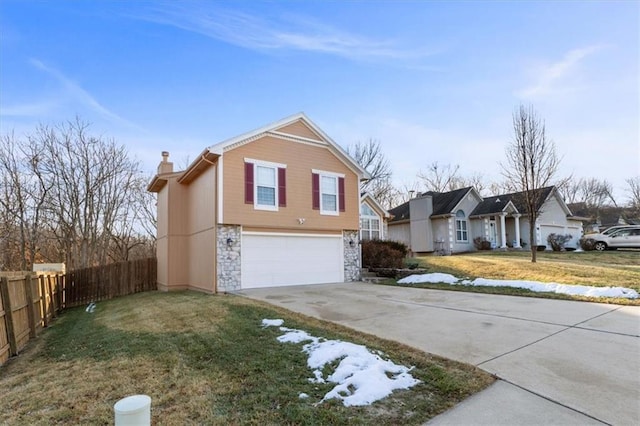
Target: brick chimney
(165, 166)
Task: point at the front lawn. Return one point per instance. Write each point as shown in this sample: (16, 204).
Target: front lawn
(600, 269)
(205, 360)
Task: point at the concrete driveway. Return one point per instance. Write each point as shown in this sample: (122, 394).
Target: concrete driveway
(559, 362)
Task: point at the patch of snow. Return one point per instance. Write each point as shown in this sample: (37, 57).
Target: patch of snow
(361, 377)
(536, 286)
(272, 322)
(436, 277)
(295, 336)
(573, 290)
(303, 395)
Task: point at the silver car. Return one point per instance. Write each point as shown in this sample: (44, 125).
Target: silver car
(625, 237)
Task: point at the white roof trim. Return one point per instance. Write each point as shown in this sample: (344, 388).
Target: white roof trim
(231, 143)
(563, 205)
(368, 196)
(457, 206)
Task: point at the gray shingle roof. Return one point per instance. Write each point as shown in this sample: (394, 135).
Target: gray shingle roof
(443, 203)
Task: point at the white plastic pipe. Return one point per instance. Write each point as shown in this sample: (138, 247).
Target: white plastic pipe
(133, 410)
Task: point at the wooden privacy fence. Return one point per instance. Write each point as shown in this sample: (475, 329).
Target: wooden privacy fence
(84, 286)
(30, 301)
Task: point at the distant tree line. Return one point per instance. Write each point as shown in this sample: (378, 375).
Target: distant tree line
(69, 196)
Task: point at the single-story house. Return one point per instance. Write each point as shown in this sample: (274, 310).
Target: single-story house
(276, 206)
(449, 222)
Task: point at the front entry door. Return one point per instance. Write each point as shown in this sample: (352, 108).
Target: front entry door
(493, 234)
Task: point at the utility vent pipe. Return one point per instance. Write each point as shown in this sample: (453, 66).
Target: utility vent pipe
(133, 410)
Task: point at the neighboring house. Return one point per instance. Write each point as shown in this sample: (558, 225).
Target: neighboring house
(597, 219)
(449, 222)
(373, 218)
(276, 206)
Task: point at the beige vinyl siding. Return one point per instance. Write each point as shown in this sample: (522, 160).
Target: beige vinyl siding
(300, 129)
(202, 231)
(187, 234)
(300, 159)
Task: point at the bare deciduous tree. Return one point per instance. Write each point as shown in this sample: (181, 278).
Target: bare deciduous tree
(593, 192)
(24, 192)
(531, 164)
(634, 192)
(369, 156)
(440, 178)
(60, 184)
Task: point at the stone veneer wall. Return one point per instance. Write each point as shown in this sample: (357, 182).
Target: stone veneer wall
(351, 255)
(228, 262)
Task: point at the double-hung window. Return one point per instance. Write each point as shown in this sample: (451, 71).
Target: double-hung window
(266, 188)
(265, 184)
(329, 195)
(328, 192)
(461, 227)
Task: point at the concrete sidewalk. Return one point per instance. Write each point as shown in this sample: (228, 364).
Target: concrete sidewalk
(560, 362)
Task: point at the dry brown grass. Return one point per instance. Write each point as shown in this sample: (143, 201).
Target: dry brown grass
(596, 269)
(600, 269)
(203, 360)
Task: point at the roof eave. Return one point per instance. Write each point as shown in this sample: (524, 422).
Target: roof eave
(205, 160)
(156, 184)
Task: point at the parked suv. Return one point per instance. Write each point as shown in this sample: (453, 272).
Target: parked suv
(624, 237)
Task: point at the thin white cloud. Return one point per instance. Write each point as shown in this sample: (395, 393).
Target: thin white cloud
(28, 109)
(293, 33)
(79, 94)
(554, 77)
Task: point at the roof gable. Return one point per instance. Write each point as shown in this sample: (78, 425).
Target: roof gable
(297, 128)
(494, 205)
(374, 204)
(446, 202)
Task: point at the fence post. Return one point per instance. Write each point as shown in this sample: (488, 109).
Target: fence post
(30, 310)
(56, 284)
(43, 301)
(52, 301)
(8, 314)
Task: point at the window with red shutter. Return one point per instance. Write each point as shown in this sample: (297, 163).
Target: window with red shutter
(248, 183)
(328, 192)
(341, 193)
(265, 184)
(282, 187)
(315, 188)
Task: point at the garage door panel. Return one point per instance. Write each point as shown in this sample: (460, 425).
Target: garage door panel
(269, 261)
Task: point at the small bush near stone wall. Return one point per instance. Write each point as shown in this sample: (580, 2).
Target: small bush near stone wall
(587, 244)
(481, 243)
(383, 254)
(557, 241)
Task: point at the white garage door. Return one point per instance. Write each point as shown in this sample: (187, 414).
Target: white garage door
(280, 260)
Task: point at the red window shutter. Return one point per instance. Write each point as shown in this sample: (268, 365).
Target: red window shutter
(248, 183)
(315, 185)
(341, 193)
(282, 187)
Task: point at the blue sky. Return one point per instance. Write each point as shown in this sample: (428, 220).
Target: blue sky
(432, 81)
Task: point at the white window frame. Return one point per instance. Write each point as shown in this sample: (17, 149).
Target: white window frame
(331, 175)
(370, 229)
(460, 221)
(269, 165)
